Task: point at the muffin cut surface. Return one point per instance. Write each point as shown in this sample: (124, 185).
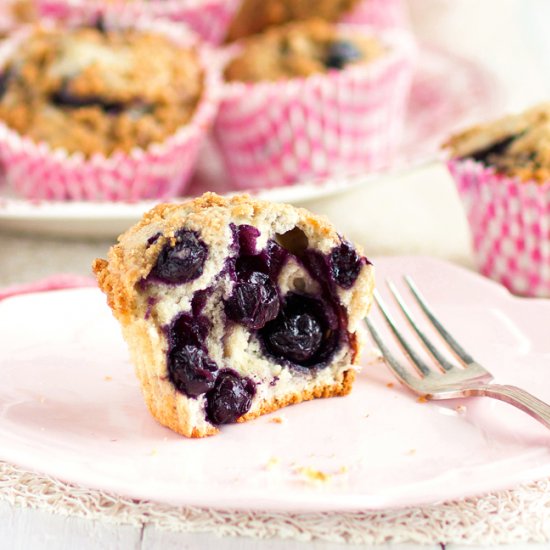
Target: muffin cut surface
(233, 308)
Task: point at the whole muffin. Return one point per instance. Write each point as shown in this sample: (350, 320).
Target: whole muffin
(310, 99)
(92, 90)
(502, 172)
(104, 112)
(300, 50)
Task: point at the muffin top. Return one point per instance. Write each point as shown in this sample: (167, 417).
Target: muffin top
(516, 145)
(92, 90)
(255, 16)
(299, 50)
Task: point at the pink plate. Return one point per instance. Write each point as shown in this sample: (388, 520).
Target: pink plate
(71, 407)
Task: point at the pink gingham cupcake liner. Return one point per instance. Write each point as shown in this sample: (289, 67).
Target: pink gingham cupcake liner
(37, 171)
(510, 226)
(208, 19)
(69, 11)
(342, 122)
(380, 14)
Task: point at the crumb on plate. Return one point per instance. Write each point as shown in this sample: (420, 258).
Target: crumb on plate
(273, 462)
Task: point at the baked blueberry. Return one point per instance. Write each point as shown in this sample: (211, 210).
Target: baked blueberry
(345, 265)
(183, 261)
(4, 80)
(191, 370)
(231, 397)
(64, 98)
(247, 236)
(305, 332)
(253, 302)
(494, 150)
(340, 53)
(188, 330)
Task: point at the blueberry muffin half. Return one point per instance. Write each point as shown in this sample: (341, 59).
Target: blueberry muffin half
(233, 308)
(96, 90)
(516, 145)
(299, 50)
(255, 16)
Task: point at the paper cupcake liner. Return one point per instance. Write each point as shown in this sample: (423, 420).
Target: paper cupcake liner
(69, 11)
(209, 19)
(510, 226)
(380, 14)
(341, 122)
(161, 171)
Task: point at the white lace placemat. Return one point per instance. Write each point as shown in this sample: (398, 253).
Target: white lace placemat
(518, 515)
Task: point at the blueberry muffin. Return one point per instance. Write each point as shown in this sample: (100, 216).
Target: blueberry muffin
(233, 308)
(516, 145)
(95, 90)
(300, 50)
(254, 16)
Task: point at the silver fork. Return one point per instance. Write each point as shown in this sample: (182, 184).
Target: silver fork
(470, 379)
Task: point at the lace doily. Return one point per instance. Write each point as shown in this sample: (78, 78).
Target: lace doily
(513, 516)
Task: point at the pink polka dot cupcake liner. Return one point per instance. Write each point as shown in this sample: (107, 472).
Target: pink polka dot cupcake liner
(380, 14)
(208, 19)
(510, 226)
(37, 171)
(339, 123)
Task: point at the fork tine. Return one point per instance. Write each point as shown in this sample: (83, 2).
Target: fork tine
(418, 362)
(455, 346)
(427, 342)
(399, 371)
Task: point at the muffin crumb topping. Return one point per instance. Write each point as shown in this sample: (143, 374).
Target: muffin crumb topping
(299, 50)
(516, 145)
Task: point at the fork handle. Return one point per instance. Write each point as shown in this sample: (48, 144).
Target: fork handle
(514, 396)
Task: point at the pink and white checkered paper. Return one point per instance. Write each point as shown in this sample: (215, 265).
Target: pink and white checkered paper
(380, 14)
(208, 19)
(510, 225)
(341, 122)
(162, 171)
